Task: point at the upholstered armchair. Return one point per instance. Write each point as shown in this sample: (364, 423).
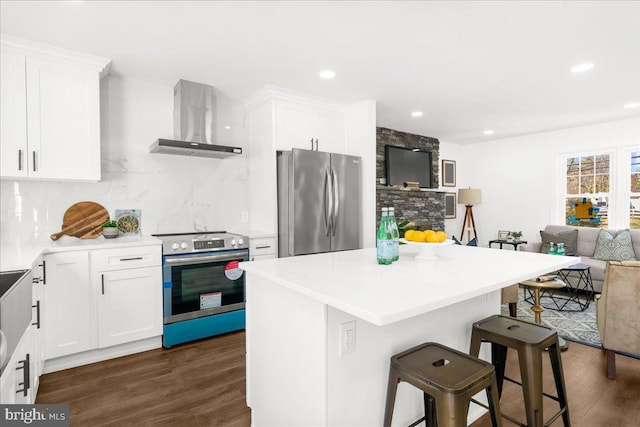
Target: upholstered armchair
(618, 311)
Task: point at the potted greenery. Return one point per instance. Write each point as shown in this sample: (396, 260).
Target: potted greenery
(516, 235)
(110, 229)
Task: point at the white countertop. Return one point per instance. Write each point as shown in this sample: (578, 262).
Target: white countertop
(353, 282)
(19, 255)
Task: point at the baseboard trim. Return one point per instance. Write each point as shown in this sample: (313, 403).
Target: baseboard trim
(98, 355)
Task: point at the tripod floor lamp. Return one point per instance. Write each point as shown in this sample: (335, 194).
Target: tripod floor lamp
(469, 197)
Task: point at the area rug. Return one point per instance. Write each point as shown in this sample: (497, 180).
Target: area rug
(578, 326)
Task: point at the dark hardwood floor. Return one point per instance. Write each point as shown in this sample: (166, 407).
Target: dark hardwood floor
(202, 384)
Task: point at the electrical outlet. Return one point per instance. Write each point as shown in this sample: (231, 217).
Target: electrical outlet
(347, 338)
(245, 217)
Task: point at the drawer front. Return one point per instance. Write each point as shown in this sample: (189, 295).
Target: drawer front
(262, 246)
(134, 257)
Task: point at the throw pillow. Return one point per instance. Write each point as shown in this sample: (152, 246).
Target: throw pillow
(569, 238)
(473, 241)
(609, 248)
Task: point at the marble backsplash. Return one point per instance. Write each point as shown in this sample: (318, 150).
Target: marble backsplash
(174, 193)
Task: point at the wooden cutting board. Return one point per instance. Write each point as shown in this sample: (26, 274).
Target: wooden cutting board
(83, 220)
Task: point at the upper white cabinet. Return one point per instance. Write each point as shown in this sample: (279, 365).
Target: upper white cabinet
(50, 123)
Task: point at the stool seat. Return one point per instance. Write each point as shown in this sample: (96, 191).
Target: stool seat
(530, 341)
(448, 378)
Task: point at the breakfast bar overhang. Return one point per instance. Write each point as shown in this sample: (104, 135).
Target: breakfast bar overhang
(297, 372)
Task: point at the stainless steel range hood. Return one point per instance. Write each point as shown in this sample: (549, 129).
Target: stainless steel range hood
(193, 124)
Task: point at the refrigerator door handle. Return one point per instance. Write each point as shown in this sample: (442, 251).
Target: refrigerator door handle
(328, 205)
(336, 201)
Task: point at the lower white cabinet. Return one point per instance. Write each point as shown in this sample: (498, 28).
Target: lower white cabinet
(16, 383)
(68, 307)
(262, 248)
(94, 299)
(129, 305)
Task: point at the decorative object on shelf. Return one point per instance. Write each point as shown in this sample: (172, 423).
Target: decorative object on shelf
(516, 235)
(450, 202)
(469, 197)
(503, 235)
(448, 173)
(110, 230)
(411, 185)
(129, 221)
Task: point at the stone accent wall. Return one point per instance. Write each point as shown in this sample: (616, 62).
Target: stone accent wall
(426, 207)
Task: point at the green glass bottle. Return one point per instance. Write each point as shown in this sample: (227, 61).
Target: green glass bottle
(384, 242)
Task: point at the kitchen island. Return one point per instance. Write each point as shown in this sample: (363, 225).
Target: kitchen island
(299, 310)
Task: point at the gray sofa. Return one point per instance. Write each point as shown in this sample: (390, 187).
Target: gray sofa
(587, 238)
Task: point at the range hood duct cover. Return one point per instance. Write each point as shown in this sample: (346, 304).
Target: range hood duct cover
(193, 124)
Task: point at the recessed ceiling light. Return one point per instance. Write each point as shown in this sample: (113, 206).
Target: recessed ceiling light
(488, 132)
(633, 105)
(416, 114)
(227, 127)
(327, 74)
(580, 68)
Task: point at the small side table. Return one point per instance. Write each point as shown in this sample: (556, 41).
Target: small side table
(536, 307)
(583, 273)
(514, 243)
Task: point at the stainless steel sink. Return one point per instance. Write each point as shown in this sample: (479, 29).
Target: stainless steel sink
(15, 311)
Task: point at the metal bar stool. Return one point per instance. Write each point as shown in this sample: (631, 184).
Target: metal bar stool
(530, 340)
(448, 378)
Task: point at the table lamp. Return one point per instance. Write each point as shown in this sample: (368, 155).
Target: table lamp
(469, 197)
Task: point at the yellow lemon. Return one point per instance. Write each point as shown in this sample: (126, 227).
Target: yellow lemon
(441, 236)
(418, 236)
(408, 233)
(430, 236)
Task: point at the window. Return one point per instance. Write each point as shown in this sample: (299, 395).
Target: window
(588, 181)
(634, 191)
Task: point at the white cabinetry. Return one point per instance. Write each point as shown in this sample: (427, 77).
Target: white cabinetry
(298, 124)
(98, 299)
(262, 248)
(50, 123)
(130, 294)
(17, 378)
(68, 313)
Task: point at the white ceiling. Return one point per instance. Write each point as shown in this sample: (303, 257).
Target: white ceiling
(469, 66)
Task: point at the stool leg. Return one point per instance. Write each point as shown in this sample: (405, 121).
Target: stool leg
(499, 361)
(494, 403)
(429, 411)
(558, 376)
(451, 410)
(531, 372)
(391, 395)
(476, 340)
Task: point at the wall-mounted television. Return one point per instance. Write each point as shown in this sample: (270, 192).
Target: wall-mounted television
(407, 165)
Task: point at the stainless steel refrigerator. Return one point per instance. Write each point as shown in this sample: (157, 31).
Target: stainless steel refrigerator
(319, 207)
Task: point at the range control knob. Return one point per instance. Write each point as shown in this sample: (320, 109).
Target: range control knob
(240, 242)
(175, 246)
(184, 245)
(233, 242)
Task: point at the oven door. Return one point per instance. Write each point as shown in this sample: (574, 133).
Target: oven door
(198, 285)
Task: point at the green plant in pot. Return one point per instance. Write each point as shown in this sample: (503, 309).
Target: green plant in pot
(110, 229)
(516, 235)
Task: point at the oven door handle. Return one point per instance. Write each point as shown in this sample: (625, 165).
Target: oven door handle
(201, 259)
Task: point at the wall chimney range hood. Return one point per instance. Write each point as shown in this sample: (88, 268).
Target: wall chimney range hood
(193, 124)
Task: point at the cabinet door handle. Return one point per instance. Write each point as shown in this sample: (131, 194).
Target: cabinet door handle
(131, 259)
(102, 275)
(25, 375)
(19, 160)
(44, 272)
(34, 161)
(263, 247)
(37, 307)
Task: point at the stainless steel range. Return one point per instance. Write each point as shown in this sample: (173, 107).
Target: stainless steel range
(204, 289)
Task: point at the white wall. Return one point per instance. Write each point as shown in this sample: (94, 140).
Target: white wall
(175, 193)
(457, 153)
(519, 176)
